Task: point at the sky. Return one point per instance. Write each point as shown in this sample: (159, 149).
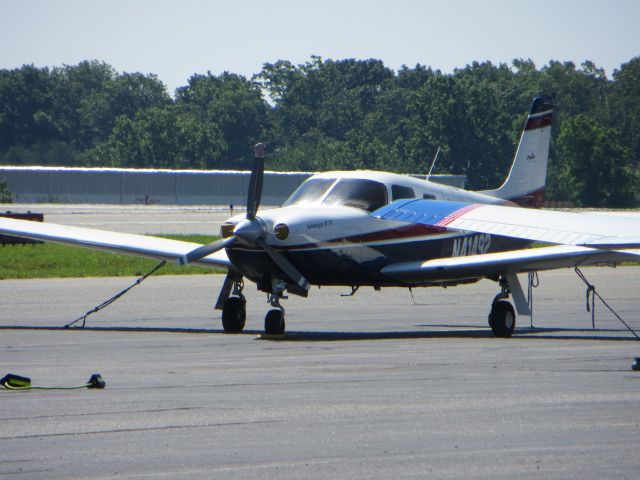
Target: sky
(176, 39)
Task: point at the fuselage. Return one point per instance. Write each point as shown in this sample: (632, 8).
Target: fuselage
(327, 232)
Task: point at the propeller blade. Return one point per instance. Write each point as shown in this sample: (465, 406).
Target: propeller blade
(205, 250)
(284, 264)
(255, 182)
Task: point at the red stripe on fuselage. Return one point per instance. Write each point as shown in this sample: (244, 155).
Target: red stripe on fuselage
(412, 230)
(401, 233)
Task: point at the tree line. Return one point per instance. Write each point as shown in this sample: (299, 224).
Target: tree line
(334, 114)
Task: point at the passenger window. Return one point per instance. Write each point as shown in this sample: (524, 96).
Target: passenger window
(398, 192)
(428, 196)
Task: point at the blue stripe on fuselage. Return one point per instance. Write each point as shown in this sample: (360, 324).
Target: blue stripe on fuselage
(425, 212)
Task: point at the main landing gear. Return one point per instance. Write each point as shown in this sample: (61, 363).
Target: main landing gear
(234, 307)
(502, 318)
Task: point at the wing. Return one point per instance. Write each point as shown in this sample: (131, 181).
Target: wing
(494, 264)
(566, 228)
(138, 245)
(584, 238)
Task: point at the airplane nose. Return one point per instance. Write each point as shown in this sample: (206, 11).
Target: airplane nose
(249, 230)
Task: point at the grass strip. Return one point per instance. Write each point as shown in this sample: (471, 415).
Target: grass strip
(50, 260)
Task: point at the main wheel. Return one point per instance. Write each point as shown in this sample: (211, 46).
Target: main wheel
(234, 314)
(274, 322)
(502, 319)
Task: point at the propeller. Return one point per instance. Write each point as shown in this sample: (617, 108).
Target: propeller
(251, 230)
(255, 182)
(284, 264)
(205, 250)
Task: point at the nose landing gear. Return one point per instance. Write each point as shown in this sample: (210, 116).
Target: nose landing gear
(274, 321)
(234, 306)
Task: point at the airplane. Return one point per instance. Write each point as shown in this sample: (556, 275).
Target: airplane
(380, 229)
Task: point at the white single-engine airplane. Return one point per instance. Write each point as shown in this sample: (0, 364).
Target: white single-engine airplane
(366, 228)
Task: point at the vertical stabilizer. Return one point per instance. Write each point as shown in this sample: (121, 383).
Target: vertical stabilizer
(526, 181)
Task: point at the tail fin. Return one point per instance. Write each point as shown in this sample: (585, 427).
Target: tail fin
(526, 181)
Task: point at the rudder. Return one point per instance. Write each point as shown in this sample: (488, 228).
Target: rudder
(525, 184)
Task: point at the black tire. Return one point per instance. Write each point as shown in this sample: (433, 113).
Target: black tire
(234, 315)
(502, 319)
(274, 322)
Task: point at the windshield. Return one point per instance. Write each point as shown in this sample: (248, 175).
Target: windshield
(311, 191)
(349, 192)
(357, 192)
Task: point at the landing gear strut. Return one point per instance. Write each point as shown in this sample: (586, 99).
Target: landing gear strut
(234, 311)
(502, 318)
(274, 321)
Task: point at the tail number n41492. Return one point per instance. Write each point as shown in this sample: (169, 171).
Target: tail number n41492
(471, 245)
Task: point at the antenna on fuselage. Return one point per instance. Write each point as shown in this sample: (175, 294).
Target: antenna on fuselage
(433, 163)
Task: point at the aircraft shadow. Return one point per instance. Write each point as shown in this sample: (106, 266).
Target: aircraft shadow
(441, 331)
(456, 331)
(115, 329)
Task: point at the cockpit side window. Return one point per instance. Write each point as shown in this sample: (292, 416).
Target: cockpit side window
(399, 192)
(360, 193)
(311, 191)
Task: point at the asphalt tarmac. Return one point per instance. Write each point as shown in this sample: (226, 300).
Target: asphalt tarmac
(142, 219)
(158, 219)
(374, 386)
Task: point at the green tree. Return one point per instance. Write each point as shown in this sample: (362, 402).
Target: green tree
(328, 104)
(26, 103)
(53, 116)
(624, 106)
(466, 116)
(594, 169)
(332, 114)
(233, 105)
(122, 95)
(161, 138)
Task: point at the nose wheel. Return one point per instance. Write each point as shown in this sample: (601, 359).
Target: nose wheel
(274, 322)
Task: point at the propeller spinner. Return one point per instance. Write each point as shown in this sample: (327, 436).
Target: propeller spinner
(251, 230)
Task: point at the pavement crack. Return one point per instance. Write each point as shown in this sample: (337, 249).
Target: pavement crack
(94, 414)
(141, 429)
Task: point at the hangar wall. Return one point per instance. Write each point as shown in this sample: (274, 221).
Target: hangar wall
(154, 187)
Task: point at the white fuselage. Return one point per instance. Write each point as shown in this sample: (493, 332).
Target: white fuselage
(332, 238)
